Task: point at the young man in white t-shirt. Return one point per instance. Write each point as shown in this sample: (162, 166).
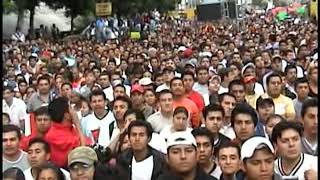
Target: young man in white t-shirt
(140, 161)
(38, 155)
(291, 162)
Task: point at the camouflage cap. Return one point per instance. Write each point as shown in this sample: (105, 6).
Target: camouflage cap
(82, 154)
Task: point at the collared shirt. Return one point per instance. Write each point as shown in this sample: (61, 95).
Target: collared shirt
(228, 131)
(309, 148)
(17, 111)
(36, 101)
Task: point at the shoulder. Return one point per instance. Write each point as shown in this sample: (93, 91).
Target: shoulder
(153, 116)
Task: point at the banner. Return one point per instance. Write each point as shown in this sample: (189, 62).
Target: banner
(103, 9)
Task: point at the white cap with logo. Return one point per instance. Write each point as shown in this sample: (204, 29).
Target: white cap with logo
(254, 143)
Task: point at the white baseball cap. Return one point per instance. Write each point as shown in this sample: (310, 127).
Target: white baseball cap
(254, 143)
(182, 48)
(181, 138)
(145, 81)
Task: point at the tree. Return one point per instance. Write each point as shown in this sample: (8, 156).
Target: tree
(73, 7)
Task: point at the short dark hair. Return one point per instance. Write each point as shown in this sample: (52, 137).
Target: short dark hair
(222, 95)
(10, 127)
(13, 173)
(244, 108)
(274, 74)
(124, 99)
(200, 68)
(162, 92)
(57, 108)
(8, 88)
(139, 115)
(285, 125)
(301, 80)
(139, 123)
(288, 67)
(45, 144)
(203, 131)
(211, 108)
(43, 110)
(54, 168)
(174, 79)
(119, 85)
(97, 92)
(188, 73)
(235, 82)
(46, 78)
(181, 109)
(264, 101)
(229, 144)
(66, 84)
(308, 103)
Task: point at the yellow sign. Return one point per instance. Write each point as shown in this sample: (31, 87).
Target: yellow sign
(103, 9)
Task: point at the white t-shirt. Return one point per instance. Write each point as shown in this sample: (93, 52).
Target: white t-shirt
(168, 130)
(142, 170)
(216, 171)
(203, 90)
(158, 121)
(305, 163)
(28, 175)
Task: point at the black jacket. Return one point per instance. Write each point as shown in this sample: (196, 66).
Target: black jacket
(125, 159)
(200, 175)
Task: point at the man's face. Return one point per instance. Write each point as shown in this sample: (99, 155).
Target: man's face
(229, 160)
(104, 81)
(90, 78)
(43, 123)
(204, 149)
(260, 165)
(37, 155)
(79, 171)
(276, 64)
(236, 58)
(228, 103)
(203, 76)
(8, 95)
(238, 92)
(66, 91)
(188, 82)
(119, 108)
(44, 86)
(265, 112)
(310, 121)
(159, 80)
(205, 62)
(288, 145)
(10, 142)
(291, 75)
(97, 103)
(180, 122)
(166, 102)
(168, 76)
(182, 158)
(274, 86)
(177, 88)
(119, 91)
(23, 87)
(214, 61)
(214, 121)
(243, 126)
(302, 90)
(138, 138)
(137, 98)
(250, 71)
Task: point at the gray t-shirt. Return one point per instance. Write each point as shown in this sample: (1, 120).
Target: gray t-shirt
(21, 163)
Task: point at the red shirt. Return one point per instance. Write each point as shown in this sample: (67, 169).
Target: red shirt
(192, 109)
(197, 99)
(62, 139)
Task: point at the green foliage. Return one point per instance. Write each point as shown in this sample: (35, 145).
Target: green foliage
(8, 6)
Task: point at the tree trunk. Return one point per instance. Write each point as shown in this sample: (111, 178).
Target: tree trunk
(31, 21)
(72, 18)
(20, 18)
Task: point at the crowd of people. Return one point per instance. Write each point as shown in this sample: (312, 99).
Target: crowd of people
(188, 100)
